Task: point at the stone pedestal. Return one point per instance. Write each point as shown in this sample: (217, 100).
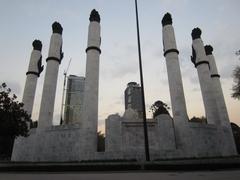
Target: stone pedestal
(113, 140)
(55, 56)
(200, 61)
(34, 69)
(90, 102)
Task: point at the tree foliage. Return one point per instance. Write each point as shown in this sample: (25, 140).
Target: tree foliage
(100, 142)
(236, 85)
(13, 118)
(201, 119)
(236, 135)
(158, 108)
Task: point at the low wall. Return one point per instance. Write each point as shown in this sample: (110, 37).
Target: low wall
(61, 143)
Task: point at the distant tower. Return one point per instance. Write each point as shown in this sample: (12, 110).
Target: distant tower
(89, 121)
(74, 99)
(133, 95)
(34, 70)
(54, 59)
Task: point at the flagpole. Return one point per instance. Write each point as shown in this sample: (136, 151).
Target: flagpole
(142, 88)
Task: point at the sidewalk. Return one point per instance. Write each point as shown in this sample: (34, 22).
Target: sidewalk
(161, 165)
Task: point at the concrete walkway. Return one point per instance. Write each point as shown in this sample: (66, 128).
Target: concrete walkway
(198, 175)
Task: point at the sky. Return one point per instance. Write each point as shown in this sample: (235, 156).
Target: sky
(22, 21)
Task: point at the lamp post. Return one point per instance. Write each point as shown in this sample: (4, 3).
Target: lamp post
(142, 88)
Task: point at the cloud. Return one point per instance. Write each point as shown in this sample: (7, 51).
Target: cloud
(119, 71)
(122, 63)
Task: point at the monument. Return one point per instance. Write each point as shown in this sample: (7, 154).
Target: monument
(177, 137)
(67, 142)
(169, 137)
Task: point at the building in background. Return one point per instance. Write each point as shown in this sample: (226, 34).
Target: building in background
(133, 97)
(74, 99)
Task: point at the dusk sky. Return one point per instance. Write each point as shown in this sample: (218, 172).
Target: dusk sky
(22, 21)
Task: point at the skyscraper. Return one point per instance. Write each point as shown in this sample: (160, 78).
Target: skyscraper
(133, 97)
(74, 99)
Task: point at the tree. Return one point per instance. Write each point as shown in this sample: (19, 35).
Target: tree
(100, 142)
(13, 120)
(198, 119)
(236, 135)
(236, 80)
(158, 108)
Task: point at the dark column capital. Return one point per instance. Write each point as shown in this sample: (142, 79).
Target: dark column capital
(57, 28)
(196, 33)
(208, 49)
(37, 45)
(167, 19)
(94, 16)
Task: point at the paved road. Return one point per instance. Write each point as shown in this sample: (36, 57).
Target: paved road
(206, 175)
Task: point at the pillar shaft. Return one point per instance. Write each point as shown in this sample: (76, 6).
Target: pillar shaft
(174, 75)
(179, 109)
(90, 104)
(228, 144)
(50, 82)
(29, 92)
(34, 70)
(215, 77)
(201, 63)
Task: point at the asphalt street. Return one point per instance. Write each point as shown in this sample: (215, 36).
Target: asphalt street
(197, 175)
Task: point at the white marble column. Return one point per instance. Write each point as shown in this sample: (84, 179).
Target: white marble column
(174, 73)
(215, 77)
(55, 56)
(90, 103)
(34, 70)
(201, 62)
(179, 109)
(228, 144)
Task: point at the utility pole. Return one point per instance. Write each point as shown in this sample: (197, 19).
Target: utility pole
(142, 88)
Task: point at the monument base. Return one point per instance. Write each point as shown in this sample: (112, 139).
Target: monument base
(124, 141)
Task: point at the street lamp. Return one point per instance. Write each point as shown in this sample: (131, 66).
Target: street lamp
(142, 88)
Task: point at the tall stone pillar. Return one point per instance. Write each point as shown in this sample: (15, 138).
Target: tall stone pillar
(201, 62)
(90, 103)
(34, 70)
(215, 77)
(228, 144)
(55, 56)
(179, 109)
